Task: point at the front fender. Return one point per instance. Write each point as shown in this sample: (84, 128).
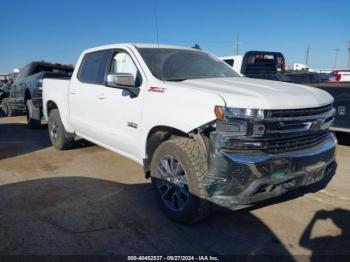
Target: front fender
(178, 108)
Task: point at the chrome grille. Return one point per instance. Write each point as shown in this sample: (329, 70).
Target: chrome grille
(295, 143)
(298, 112)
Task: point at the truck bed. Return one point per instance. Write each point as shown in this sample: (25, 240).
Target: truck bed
(55, 89)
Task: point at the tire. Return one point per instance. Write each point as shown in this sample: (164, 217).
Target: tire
(32, 123)
(5, 106)
(187, 153)
(59, 137)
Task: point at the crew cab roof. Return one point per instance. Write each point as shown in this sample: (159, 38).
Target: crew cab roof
(137, 45)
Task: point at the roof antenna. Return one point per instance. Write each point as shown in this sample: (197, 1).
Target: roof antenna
(196, 46)
(156, 20)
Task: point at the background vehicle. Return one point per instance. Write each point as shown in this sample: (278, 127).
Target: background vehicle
(327, 77)
(205, 136)
(5, 88)
(300, 67)
(342, 75)
(26, 92)
(300, 77)
(257, 64)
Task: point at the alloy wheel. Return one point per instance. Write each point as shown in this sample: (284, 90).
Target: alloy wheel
(54, 128)
(172, 183)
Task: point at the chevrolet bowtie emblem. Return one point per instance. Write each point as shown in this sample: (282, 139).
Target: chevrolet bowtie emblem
(317, 125)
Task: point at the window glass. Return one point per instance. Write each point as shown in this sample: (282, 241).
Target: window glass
(93, 67)
(229, 61)
(182, 64)
(123, 63)
(263, 63)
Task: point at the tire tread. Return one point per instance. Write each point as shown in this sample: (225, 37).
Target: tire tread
(194, 154)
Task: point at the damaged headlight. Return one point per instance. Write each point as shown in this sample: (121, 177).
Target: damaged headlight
(229, 113)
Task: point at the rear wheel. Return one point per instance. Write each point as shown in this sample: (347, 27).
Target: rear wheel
(5, 106)
(59, 137)
(178, 171)
(32, 121)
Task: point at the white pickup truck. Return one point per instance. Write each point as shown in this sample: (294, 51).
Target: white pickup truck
(207, 137)
(257, 64)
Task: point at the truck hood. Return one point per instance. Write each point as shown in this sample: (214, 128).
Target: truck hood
(243, 92)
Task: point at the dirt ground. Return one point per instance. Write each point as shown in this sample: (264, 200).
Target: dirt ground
(88, 200)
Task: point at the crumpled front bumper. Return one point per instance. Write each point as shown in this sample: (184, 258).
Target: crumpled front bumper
(238, 180)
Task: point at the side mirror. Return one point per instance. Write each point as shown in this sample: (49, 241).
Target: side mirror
(124, 81)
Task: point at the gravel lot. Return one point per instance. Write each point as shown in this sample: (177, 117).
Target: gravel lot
(91, 201)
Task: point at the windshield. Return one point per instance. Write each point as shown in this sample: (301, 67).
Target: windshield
(181, 64)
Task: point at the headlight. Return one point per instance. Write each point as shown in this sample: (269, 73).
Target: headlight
(236, 121)
(228, 113)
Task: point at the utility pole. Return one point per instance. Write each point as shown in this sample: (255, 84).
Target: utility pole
(349, 55)
(307, 53)
(336, 57)
(237, 45)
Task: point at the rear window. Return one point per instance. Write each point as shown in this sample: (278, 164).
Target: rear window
(263, 63)
(93, 67)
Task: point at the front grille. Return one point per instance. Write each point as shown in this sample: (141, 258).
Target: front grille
(296, 143)
(298, 112)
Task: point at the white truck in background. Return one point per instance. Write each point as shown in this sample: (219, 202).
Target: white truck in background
(257, 64)
(301, 67)
(207, 137)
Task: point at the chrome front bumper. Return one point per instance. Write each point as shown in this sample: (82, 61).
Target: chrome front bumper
(238, 180)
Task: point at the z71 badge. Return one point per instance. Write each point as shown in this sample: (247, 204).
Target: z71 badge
(156, 89)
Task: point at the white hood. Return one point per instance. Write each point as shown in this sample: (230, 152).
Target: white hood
(243, 92)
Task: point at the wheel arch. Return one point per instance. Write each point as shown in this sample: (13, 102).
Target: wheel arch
(156, 136)
(51, 105)
(27, 95)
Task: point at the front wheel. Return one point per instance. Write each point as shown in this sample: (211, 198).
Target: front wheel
(59, 137)
(178, 172)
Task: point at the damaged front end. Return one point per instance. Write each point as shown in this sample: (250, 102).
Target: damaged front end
(259, 154)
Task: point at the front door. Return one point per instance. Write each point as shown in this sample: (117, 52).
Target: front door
(122, 116)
